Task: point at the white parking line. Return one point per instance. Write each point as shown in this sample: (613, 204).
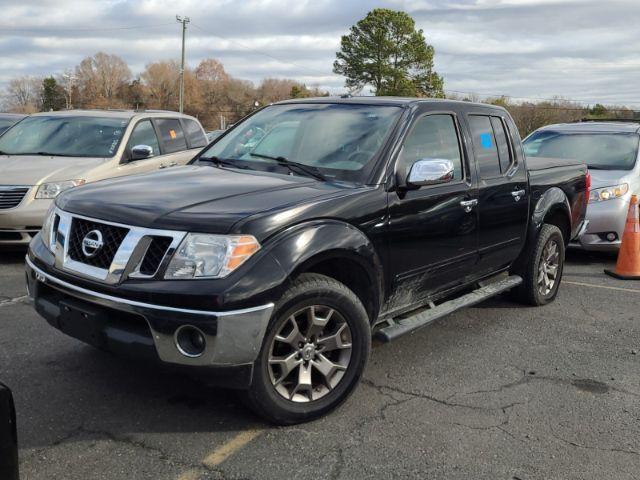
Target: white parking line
(606, 287)
(11, 301)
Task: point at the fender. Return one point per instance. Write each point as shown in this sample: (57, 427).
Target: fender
(552, 200)
(305, 245)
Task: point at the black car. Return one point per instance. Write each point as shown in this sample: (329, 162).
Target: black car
(7, 120)
(272, 259)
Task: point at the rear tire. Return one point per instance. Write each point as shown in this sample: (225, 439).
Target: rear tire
(542, 267)
(314, 352)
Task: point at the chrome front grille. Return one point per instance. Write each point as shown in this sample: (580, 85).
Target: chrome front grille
(126, 251)
(11, 196)
(112, 237)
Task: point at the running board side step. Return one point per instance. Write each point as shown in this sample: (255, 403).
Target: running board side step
(397, 328)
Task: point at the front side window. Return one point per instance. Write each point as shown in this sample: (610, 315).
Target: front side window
(144, 134)
(171, 135)
(340, 141)
(600, 151)
(65, 136)
(433, 137)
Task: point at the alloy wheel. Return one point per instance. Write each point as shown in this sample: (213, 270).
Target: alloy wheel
(548, 268)
(310, 353)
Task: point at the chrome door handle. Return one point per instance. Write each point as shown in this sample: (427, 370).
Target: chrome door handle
(468, 204)
(518, 194)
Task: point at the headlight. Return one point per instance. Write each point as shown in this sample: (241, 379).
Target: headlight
(608, 193)
(53, 189)
(213, 256)
(47, 232)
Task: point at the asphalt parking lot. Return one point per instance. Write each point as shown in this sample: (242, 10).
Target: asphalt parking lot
(498, 391)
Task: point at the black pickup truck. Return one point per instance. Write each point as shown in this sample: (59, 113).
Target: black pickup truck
(274, 257)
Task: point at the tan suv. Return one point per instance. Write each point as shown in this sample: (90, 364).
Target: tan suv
(50, 152)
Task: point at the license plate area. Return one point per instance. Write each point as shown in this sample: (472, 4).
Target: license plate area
(83, 322)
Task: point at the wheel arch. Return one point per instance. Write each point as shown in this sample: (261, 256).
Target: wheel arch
(335, 249)
(553, 208)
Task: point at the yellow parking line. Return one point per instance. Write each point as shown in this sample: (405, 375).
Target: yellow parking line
(227, 449)
(191, 475)
(606, 287)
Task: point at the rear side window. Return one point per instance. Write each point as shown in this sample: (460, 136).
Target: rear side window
(504, 152)
(195, 135)
(433, 136)
(485, 146)
(171, 135)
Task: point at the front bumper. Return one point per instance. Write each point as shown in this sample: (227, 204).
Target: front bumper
(604, 217)
(19, 225)
(233, 338)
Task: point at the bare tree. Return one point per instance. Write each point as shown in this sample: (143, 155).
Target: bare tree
(100, 78)
(24, 94)
(161, 81)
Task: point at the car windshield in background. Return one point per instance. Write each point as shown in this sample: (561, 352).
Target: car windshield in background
(67, 136)
(336, 141)
(5, 123)
(600, 151)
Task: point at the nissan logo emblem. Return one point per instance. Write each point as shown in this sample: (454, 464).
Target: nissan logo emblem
(92, 243)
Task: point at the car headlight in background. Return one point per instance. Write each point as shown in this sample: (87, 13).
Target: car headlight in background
(210, 256)
(608, 193)
(53, 189)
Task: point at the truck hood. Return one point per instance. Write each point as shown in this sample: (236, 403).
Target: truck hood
(195, 198)
(37, 169)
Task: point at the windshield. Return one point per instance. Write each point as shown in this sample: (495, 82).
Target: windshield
(336, 141)
(600, 151)
(70, 136)
(6, 122)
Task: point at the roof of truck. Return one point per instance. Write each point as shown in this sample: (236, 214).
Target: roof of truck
(595, 127)
(389, 101)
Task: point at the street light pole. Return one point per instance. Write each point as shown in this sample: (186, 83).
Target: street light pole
(183, 21)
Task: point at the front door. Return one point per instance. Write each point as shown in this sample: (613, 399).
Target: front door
(503, 200)
(432, 229)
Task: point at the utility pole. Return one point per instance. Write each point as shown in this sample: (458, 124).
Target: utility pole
(183, 21)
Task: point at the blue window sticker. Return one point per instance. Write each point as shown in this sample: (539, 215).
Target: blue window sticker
(486, 140)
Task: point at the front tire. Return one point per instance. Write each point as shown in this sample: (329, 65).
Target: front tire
(314, 353)
(542, 270)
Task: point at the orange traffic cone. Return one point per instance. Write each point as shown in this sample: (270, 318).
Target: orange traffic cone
(628, 265)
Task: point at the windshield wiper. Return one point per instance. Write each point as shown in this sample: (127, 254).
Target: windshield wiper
(307, 170)
(222, 161)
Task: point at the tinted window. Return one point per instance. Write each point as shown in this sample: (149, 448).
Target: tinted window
(603, 151)
(144, 134)
(433, 136)
(504, 152)
(339, 140)
(171, 135)
(484, 145)
(195, 135)
(71, 136)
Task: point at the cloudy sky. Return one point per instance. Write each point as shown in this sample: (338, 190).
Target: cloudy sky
(579, 49)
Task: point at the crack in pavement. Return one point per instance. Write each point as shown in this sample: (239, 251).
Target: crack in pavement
(526, 378)
(590, 447)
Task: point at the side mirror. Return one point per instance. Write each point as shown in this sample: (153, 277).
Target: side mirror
(140, 152)
(430, 171)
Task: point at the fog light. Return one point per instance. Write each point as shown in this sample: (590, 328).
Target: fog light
(190, 341)
(612, 236)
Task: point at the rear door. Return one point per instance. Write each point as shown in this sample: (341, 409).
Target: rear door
(181, 139)
(503, 190)
(432, 235)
